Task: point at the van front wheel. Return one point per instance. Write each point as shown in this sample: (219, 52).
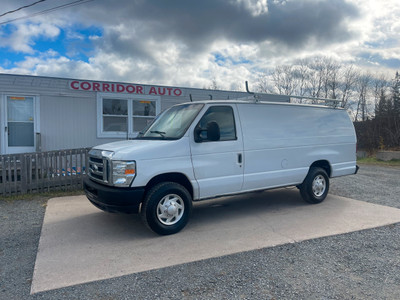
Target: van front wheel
(315, 186)
(166, 208)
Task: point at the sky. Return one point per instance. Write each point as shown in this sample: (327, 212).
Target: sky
(192, 43)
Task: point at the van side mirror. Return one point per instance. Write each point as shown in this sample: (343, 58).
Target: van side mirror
(197, 134)
(212, 130)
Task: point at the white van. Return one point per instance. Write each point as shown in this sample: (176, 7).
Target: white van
(206, 149)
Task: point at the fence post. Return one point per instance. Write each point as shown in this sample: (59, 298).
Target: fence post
(24, 177)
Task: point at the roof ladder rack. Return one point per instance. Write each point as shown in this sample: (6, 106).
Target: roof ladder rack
(316, 100)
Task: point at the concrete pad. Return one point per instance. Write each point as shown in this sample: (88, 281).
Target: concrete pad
(80, 243)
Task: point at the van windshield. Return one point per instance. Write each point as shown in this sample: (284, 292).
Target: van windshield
(172, 123)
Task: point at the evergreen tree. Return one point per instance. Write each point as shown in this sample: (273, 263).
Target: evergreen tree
(381, 110)
(387, 118)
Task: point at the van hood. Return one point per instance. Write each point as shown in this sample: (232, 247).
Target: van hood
(146, 149)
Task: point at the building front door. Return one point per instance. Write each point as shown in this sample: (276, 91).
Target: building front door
(20, 124)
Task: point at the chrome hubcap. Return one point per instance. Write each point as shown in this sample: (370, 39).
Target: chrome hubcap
(319, 185)
(170, 209)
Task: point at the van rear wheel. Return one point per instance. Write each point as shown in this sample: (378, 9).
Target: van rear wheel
(166, 208)
(315, 186)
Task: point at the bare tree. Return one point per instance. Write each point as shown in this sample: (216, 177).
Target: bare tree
(316, 77)
(324, 77)
(264, 84)
(348, 80)
(213, 85)
(363, 86)
(302, 74)
(284, 80)
(332, 83)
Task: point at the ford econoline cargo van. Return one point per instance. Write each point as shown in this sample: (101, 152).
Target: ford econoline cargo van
(207, 149)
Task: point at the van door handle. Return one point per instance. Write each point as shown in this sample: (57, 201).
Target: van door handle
(240, 158)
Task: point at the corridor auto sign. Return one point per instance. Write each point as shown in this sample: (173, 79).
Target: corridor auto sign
(108, 87)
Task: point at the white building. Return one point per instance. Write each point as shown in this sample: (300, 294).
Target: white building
(44, 113)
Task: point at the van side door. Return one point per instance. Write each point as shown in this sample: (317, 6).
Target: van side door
(217, 158)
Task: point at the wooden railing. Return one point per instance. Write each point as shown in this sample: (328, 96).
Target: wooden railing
(42, 171)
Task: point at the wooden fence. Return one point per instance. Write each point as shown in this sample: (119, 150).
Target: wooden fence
(42, 171)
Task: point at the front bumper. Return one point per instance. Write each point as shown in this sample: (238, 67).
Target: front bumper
(113, 199)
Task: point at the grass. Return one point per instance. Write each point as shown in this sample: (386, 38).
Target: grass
(377, 162)
(42, 196)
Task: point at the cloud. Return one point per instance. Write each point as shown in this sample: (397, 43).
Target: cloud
(197, 24)
(57, 66)
(160, 39)
(190, 43)
(21, 38)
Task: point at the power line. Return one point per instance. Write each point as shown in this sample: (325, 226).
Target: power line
(74, 3)
(22, 7)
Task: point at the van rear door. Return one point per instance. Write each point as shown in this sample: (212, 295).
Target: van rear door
(218, 161)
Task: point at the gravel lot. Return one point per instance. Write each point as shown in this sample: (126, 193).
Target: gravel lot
(359, 265)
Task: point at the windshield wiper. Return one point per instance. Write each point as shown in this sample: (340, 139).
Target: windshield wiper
(162, 133)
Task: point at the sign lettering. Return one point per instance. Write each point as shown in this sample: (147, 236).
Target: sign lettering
(106, 87)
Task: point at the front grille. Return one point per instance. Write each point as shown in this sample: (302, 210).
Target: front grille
(99, 168)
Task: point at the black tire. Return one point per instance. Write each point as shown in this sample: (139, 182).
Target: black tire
(315, 186)
(166, 208)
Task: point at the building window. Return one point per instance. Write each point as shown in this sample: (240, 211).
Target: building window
(121, 117)
(115, 115)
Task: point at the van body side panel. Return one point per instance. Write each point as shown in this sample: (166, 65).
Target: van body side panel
(163, 157)
(281, 142)
(342, 169)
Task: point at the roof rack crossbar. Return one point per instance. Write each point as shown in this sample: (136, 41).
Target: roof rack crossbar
(316, 98)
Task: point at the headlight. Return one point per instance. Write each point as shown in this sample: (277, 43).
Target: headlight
(123, 172)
